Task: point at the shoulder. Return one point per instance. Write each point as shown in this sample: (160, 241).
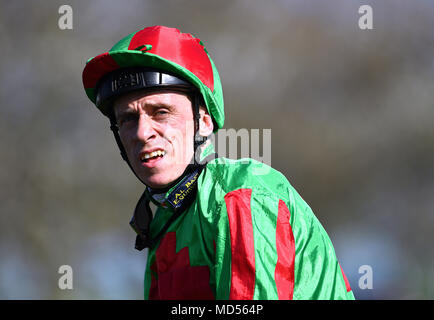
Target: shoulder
(262, 183)
(223, 176)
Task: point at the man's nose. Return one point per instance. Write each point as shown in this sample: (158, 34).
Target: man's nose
(145, 129)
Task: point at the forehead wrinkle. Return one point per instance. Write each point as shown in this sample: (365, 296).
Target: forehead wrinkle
(139, 104)
(135, 104)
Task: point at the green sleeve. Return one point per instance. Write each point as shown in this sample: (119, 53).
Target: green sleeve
(318, 275)
(269, 244)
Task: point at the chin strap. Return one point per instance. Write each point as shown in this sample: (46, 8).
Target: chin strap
(198, 139)
(179, 199)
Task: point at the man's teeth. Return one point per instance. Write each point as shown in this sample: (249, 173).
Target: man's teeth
(153, 154)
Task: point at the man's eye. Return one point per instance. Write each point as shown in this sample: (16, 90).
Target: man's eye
(161, 112)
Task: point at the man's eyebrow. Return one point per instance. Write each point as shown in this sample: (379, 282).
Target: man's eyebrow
(158, 104)
(125, 110)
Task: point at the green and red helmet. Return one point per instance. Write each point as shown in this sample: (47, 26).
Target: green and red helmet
(166, 50)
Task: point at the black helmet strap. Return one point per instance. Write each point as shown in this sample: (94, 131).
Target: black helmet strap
(142, 217)
(198, 139)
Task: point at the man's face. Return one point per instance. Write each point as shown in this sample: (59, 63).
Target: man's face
(157, 132)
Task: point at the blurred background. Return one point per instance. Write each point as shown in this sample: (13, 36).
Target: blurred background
(350, 111)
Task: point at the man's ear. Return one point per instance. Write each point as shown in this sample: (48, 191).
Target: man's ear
(206, 126)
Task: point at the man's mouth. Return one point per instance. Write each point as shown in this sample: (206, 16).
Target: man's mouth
(146, 157)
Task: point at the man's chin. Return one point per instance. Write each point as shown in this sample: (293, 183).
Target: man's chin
(162, 177)
(157, 185)
(160, 181)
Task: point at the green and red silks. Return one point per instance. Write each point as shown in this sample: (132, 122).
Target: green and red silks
(246, 236)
